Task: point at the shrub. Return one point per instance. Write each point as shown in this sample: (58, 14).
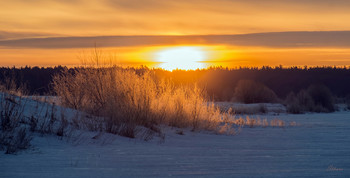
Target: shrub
(300, 103)
(15, 140)
(13, 136)
(314, 99)
(11, 111)
(248, 91)
(305, 101)
(322, 98)
(126, 100)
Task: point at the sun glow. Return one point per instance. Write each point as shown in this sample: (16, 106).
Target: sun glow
(184, 57)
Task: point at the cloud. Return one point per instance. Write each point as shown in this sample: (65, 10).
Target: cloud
(138, 5)
(157, 17)
(273, 39)
(4, 35)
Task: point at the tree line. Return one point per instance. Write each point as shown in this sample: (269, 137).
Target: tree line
(219, 83)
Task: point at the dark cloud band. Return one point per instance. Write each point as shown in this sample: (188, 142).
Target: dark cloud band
(273, 39)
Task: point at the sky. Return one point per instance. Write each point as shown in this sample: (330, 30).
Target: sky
(232, 32)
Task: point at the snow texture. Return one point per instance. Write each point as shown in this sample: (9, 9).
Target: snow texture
(319, 146)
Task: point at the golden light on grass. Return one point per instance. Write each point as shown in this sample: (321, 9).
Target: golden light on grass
(181, 57)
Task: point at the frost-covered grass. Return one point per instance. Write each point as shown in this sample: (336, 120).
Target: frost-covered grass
(127, 99)
(253, 108)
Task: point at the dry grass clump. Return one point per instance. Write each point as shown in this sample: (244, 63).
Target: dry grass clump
(239, 122)
(124, 101)
(277, 123)
(258, 122)
(265, 123)
(129, 98)
(292, 124)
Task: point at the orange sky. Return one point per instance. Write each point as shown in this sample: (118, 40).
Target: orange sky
(56, 20)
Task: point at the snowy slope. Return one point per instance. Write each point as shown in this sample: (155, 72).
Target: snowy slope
(318, 147)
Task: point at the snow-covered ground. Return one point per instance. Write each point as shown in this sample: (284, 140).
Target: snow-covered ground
(319, 146)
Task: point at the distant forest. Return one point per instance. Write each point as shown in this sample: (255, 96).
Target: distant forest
(220, 83)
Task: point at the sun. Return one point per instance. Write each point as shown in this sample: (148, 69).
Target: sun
(184, 57)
